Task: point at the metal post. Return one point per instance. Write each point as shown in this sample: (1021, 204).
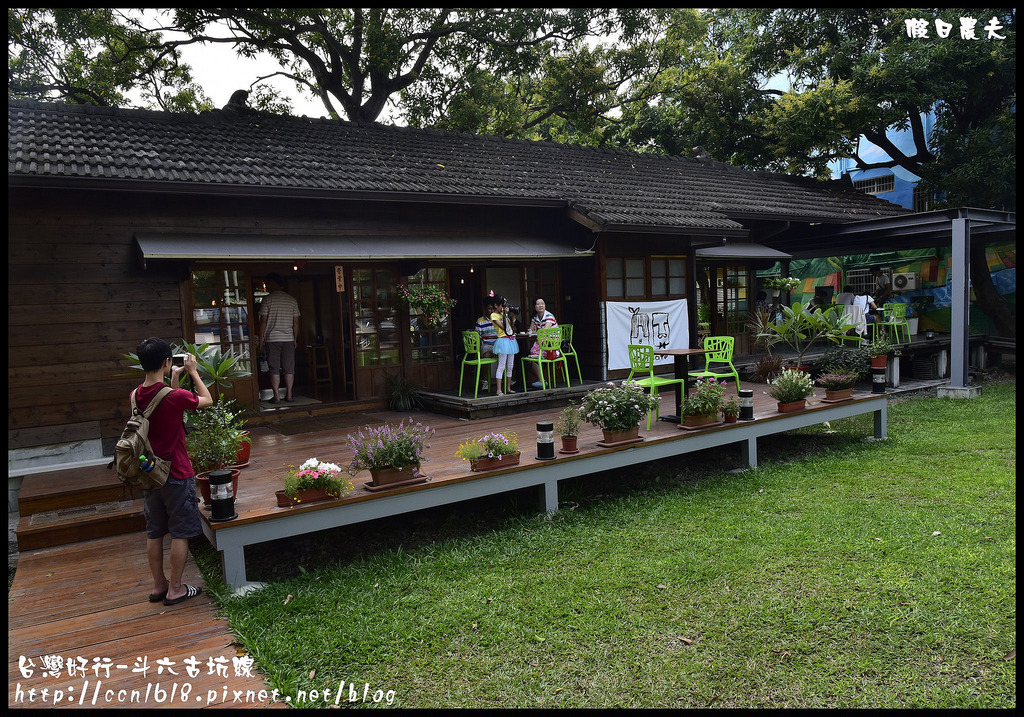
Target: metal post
(959, 329)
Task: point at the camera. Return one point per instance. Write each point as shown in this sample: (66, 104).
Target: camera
(513, 309)
(178, 360)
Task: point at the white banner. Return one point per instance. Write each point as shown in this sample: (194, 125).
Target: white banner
(661, 324)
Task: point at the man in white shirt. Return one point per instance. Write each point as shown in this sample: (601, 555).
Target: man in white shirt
(279, 332)
(867, 303)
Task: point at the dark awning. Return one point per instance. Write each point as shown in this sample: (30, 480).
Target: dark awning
(244, 247)
(740, 251)
(922, 230)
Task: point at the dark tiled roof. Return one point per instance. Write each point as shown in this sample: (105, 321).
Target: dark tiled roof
(257, 150)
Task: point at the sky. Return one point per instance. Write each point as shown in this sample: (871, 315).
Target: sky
(219, 71)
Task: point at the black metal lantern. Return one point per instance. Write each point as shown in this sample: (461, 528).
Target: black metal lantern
(746, 404)
(222, 498)
(545, 441)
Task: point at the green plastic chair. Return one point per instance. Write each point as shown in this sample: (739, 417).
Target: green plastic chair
(894, 316)
(641, 361)
(550, 339)
(471, 343)
(568, 350)
(720, 348)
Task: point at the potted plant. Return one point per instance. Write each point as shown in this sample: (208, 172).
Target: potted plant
(313, 481)
(617, 410)
(392, 454)
(731, 409)
(431, 300)
(767, 367)
(213, 439)
(844, 360)
(880, 349)
(405, 393)
(779, 284)
(568, 427)
(798, 328)
(701, 407)
(838, 386)
(213, 436)
(493, 450)
(791, 389)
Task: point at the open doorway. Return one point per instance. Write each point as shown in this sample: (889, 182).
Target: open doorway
(322, 367)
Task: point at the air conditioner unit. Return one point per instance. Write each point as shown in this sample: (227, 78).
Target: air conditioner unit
(905, 282)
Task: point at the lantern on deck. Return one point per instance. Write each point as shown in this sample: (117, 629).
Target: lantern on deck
(746, 404)
(222, 498)
(545, 441)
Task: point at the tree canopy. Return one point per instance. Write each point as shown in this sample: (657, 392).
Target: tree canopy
(787, 90)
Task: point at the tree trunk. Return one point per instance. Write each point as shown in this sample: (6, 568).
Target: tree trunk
(987, 298)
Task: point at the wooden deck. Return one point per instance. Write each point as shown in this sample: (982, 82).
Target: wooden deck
(451, 480)
(87, 600)
(85, 604)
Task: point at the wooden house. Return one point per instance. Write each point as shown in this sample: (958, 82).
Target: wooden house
(125, 224)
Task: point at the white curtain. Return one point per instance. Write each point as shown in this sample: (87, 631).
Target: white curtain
(661, 324)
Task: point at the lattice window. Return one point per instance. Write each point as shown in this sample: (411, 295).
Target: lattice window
(876, 185)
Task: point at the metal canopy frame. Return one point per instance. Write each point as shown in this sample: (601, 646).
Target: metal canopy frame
(922, 230)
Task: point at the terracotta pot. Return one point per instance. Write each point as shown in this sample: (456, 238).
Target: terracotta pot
(697, 421)
(384, 476)
(617, 436)
(793, 406)
(731, 418)
(486, 464)
(570, 444)
(203, 482)
(243, 451)
(879, 361)
(838, 394)
(307, 495)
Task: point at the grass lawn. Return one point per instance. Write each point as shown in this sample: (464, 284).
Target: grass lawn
(840, 573)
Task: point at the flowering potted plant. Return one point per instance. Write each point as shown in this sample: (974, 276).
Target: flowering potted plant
(838, 386)
(618, 409)
(731, 409)
(493, 450)
(312, 481)
(781, 283)
(431, 300)
(568, 427)
(702, 406)
(791, 389)
(391, 453)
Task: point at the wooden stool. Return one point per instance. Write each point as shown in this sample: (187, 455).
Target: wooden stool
(320, 360)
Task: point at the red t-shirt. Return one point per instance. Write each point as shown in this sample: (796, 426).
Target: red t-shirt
(166, 426)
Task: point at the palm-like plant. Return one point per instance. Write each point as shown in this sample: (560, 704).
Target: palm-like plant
(799, 327)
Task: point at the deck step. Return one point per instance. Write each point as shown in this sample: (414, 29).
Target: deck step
(71, 488)
(81, 522)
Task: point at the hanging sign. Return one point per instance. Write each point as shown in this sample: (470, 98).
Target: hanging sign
(661, 324)
(339, 279)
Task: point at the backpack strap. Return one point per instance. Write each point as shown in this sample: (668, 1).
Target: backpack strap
(160, 395)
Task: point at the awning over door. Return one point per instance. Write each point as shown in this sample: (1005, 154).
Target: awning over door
(740, 251)
(244, 247)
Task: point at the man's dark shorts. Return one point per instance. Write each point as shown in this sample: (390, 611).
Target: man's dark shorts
(173, 509)
(281, 355)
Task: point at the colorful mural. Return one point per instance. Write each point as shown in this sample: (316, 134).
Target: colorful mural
(933, 268)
